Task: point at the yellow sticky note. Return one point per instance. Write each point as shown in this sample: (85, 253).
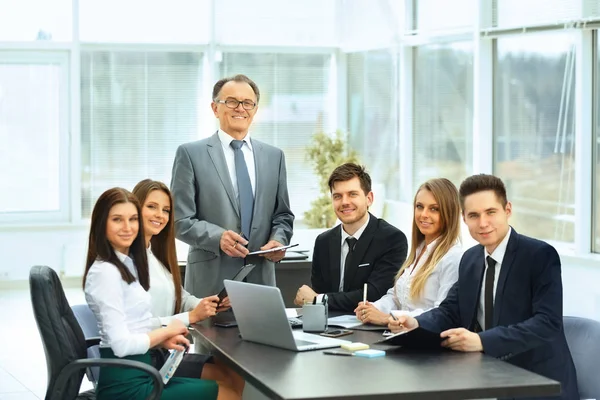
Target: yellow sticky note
(355, 346)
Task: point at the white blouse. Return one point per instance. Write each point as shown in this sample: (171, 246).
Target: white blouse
(121, 309)
(162, 294)
(444, 275)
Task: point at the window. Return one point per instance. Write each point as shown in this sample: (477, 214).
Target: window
(516, 13)
(534, 129)
(29, 20)
(276, 23)
(293, 106)
(443, 14)
(443, 112)
(136, 109)
(34, 137)
(145, 21)
(373, 117)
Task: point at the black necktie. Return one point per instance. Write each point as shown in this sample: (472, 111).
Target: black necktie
(351, 243)
(244, 187)
(489, 292)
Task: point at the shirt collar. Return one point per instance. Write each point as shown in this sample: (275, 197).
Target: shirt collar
(226, 139)
(357, 233)
(128, 261)
(498, 254)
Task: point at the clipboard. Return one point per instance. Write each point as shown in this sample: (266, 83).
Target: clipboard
(239, 276)
(418, 338)
(257, 252)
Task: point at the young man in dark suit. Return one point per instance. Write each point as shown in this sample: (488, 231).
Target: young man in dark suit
(507, 302)
(363, 249)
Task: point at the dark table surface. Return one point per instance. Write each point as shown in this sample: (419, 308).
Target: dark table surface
(401, 374)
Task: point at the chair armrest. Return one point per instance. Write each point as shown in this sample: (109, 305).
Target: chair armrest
(93, 341)
(77, 365)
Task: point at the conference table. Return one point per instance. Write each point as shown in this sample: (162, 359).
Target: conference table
(401, 374)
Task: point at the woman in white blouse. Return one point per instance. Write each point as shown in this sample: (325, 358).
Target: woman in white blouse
(116, 286)
(432, 265)
(169, 299)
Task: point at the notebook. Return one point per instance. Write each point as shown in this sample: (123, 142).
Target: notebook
(418, 338)
(261, 317)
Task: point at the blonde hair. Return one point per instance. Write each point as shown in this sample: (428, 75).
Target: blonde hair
(446, 196)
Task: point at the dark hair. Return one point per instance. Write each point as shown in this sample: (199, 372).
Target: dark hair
(480, 183)
(99, 248)
(163, 244)
(347, 171)
(237, 78)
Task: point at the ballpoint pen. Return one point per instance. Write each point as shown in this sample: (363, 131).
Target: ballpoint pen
(365, 294)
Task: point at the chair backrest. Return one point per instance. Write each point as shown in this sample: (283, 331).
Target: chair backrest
(89, 325)
(61, 335)
(583, 337)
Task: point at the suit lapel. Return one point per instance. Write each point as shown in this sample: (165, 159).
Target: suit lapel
(475, 280)
(261, 167)
(507, 263)
(359, 251)
(335, 249)
(215, 151)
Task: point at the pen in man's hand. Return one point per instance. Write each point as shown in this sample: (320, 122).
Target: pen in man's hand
(393, 316)
(365, 294)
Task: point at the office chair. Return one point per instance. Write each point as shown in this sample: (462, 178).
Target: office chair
(89, 325)
(583, 337)
(64, 343)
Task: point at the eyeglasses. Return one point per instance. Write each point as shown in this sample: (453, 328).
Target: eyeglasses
(233, 103)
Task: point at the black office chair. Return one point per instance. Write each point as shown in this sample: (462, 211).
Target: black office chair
(88, 324)
(64, 343)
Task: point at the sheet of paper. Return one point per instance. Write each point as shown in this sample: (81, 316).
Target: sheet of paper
(344, 321)
(272, 250)
(291, 312)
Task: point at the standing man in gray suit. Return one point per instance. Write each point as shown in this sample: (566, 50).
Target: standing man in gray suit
(231, 195)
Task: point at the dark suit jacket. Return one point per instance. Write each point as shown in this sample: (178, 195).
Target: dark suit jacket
(528, 316)
(382, 246)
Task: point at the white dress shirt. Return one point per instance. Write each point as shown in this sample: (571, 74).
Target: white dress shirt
(230, 160)
(345, 249)
(398, 301)
(498, 256)
(121, 309)
(162, 294)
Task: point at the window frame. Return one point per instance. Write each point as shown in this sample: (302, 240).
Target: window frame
(62, 215)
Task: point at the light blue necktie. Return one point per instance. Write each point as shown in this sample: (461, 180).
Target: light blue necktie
(244, 187)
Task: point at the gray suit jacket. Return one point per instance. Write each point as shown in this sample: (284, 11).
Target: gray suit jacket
(206, 206)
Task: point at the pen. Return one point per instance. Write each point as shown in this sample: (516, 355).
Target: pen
(365, 294)
(393, 316)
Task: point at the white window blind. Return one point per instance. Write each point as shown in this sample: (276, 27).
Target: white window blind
(518, 13)
(443, 112)
(293, 106)
(373, 120)
(136, 108)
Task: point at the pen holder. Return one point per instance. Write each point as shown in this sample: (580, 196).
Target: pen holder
(314, 317)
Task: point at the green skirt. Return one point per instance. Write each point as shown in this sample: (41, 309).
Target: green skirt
(133, 384)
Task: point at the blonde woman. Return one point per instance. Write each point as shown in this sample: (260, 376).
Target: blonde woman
(432, 265)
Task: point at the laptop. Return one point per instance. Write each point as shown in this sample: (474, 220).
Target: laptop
(260, 315)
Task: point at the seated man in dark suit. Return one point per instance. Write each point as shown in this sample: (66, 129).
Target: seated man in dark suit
(363, 249)
(507, 301)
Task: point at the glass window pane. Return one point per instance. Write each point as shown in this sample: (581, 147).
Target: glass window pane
(373, 118)
(136, 109)
(514, 13)
(534, 131)
(444, 14)
(145, 21)
(443, 112)
(381, 24)
(268, 22)
(293, 106)
(30, 136)
(28, 20)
